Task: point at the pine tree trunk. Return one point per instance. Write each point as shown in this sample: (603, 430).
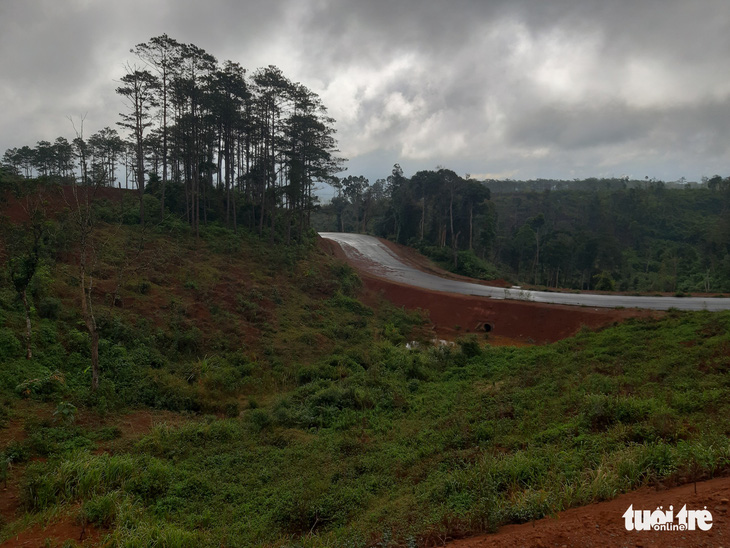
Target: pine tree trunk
(90, 321)
(28, 332)
(94, 359)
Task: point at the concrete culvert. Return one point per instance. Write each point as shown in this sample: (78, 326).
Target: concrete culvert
(487, 327)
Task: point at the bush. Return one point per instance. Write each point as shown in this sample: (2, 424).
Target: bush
(153, 481)
(10, 346)
(601, 411)
(45, 387)
(259, 419)
(470, 346)
(65, 413)
(47, 333)
(78, 341)
(102, 510)
(468, 264)
(16, 452)
(50, 308)
(347, 278)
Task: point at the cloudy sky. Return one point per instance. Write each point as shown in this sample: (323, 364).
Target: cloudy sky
(494, 88)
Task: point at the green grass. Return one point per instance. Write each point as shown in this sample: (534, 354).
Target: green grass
(414, 445)
(320, 428)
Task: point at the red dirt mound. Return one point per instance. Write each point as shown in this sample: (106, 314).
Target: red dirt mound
(602, 524)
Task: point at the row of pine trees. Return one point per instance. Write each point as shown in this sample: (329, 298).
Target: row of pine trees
(236, 146)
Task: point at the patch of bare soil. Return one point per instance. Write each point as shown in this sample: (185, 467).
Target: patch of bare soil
(504, 322)
(602, 524)
(55, 534)
(58, 198)
(14, 429)
(132, 425)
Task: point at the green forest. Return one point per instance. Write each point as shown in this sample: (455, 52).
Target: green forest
(186, 364)
(606, 235)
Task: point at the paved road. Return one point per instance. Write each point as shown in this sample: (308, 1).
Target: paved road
(385, 263)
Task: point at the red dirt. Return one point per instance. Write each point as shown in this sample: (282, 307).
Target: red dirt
(57, 198)
(132, 425)
(455, 315)
(601, 524)
(510, 322)
(56, 533)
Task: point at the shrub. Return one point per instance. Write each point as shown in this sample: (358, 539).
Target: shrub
(47, 333)
(468, 264)
(50, 308)
(259, 419)
(470, 346)
(46, 387)
(78, 341)
(250, 310)
(347, 278)
(101, 510)
(10, 346)
(15, 452)
(65, 413)
(153, 481)
(340, 300)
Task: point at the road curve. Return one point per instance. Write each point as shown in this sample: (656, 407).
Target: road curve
(381, 261)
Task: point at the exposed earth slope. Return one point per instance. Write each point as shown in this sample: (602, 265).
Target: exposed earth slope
(399, 274)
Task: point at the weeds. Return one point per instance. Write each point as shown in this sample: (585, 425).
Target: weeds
(360, 441)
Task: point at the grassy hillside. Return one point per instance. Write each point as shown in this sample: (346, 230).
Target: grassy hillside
(208, 318)
(305, 419)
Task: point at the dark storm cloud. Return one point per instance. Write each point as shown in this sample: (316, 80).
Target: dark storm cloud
(699, 129)
(581, 126)
(63, 58)
(677, 45)
(521, 88)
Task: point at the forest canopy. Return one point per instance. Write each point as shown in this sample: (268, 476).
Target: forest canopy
(593, 234)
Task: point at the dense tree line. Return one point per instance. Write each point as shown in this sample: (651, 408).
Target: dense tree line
(209, 140)
(436, 209)
(600, 234)
(648, 238)
(590, 184)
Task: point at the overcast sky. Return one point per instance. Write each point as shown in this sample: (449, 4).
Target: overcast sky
(519, 89)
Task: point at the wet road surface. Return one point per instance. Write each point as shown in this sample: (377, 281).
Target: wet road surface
(378, 259)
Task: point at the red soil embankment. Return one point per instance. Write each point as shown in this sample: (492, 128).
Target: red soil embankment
(453, 315)
(505, 321)
(602, 525)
